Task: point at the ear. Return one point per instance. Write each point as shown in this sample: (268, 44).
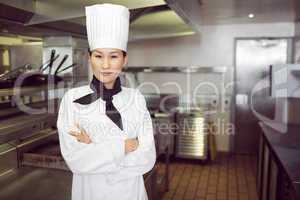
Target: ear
(89, 56)
(125, 60)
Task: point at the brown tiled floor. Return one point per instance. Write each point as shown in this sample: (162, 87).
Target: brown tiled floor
(230, 177)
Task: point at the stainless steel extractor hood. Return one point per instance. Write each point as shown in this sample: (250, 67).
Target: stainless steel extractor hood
(149, 19)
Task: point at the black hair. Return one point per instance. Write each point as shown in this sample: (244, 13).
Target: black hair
(124, 52)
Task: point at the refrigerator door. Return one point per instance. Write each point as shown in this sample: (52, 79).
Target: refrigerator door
(253, 58)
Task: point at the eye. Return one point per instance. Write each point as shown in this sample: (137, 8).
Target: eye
(114, 56)
(98, 56)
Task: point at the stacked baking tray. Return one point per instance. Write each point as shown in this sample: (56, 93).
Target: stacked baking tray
(191, 137)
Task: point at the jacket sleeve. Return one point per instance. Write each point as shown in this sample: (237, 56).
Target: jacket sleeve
(84, 158)
(143, 158)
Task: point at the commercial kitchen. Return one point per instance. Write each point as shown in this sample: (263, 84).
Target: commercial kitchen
(221, 84)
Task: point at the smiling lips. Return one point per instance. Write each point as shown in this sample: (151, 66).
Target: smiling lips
(106, 73)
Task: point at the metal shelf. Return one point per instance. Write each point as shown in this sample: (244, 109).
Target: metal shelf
(177, 69)
(21, 91)
(26, 90)
(24, 125)
(11, 111)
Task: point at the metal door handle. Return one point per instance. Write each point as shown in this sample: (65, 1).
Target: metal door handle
(241, 99)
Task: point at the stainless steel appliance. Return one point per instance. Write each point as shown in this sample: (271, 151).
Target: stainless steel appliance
(162, 108)
(20, 131)
(252, 60)
(191, 137)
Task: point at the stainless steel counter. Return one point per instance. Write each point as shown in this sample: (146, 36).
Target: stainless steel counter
(29, 183)
(31, 177)
(52, 180)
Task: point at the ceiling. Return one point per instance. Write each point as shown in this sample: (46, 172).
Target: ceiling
(149, 18)
(237, 11)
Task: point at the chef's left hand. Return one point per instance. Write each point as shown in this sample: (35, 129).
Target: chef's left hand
(81, 135)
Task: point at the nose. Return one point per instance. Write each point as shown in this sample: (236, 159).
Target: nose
(105, 64)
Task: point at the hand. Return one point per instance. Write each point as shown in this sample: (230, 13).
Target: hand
(81, 135)
(131, 145)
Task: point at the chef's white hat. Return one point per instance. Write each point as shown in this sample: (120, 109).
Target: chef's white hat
(107, 26)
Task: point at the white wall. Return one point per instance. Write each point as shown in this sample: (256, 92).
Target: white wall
(214, 46)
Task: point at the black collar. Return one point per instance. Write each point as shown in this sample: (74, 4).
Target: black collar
(100, 91)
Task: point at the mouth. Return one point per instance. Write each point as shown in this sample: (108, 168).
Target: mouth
(107, 73)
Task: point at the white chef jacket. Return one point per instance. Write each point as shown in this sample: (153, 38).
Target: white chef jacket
(101, 170)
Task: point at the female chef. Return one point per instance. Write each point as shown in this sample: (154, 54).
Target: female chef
(105, 130)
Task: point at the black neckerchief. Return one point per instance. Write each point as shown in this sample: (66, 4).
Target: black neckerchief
(100, 91)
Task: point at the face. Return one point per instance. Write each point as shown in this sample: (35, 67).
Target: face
(107, 64)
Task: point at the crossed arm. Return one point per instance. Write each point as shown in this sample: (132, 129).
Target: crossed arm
(83, 137)
(119, 158)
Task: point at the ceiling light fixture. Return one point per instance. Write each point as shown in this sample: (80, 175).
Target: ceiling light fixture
(251, 15)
